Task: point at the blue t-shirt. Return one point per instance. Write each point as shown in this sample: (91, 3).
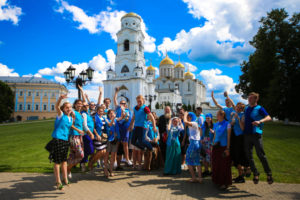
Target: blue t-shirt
(150, 133)
(236, 127)
(111, 130)
(201, 120)
(62, 127)
(126, 121)
(78, 123)
(140, 114)
(228, 112)
(100, 124)
(220, 129)
(249, 119)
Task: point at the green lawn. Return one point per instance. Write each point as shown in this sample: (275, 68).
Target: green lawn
(22, 149)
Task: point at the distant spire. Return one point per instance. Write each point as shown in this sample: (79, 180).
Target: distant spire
(179, 58)
(150, 61)
(166, 53)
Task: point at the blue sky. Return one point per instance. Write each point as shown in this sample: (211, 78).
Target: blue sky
(42, 38)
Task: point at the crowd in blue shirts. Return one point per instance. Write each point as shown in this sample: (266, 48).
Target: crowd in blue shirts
(92, 135)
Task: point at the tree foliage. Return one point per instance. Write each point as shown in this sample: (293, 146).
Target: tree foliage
(6, 102)
(273, 69)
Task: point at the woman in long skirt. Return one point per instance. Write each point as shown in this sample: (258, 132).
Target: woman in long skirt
(173, 154)
(193, 152)
(221, 161)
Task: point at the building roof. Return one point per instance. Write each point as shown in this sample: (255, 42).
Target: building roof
(179, 65)
(131, 14)
(150, 68)
(14, 79)
(166, 61)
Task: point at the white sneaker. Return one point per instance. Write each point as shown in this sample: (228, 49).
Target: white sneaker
(102, 163)
(98, 164)
(115, 165)
(83, 167)
(70, 175)
(129, 163)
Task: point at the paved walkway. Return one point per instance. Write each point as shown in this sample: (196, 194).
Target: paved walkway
(135, 185)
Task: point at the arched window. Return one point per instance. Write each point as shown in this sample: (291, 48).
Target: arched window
(124, 69)
(140, 46)
(126, 45)
(189, 89)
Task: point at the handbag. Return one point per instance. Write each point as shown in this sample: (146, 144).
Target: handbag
(49, 146)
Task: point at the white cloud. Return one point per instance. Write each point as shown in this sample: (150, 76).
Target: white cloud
(98, 63)
(191, 67)
(9, 12)
(215, 81)
(91, 90)
(60, 79)
(5, 71)
(229, 23)
(107, 21)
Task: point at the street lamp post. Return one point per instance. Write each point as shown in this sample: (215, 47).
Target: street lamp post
(82, 79)
(150, 98)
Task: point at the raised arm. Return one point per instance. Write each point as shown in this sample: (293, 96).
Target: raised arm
(87, 98)
(82, 93)
(152, 119)
(130, 128)
(57, 105)
(100, 95)
(214, 100)
(115, 97)
(231, 102)
(185, 121)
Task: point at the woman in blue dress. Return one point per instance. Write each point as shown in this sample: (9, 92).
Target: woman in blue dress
(59, 145)
(173, 154)
(193, 152)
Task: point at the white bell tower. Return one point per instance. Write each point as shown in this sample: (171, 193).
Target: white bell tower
(130, 53)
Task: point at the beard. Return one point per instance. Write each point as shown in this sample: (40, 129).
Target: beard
(168, 116)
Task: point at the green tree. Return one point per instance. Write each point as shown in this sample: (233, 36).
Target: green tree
(189, 107)
(157, 105)
(273, 69)
(6, 102)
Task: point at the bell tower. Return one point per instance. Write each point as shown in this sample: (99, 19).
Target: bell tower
(130, 53)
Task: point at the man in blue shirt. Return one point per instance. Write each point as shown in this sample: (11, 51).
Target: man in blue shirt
(255, 116)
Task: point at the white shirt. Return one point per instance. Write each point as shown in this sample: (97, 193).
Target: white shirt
(194, 131)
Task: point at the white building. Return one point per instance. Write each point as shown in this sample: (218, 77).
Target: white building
(133, 78)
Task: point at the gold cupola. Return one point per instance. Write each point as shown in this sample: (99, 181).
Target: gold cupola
(188, 75)
(166, 61)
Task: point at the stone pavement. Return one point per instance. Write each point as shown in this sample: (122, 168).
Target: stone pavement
(135, 185)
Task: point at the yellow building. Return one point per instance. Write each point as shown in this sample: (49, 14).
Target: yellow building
(35, 97)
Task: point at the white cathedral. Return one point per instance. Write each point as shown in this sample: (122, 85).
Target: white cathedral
(174, 85)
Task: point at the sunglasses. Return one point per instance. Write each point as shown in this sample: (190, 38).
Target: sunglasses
(123, 103)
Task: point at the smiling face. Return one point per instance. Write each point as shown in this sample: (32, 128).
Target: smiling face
(92, 106)
(67, 108)
(227, 103)
(123, 104)
(100, 111)
(140, 101)
(175, 122)
(208, 120)
(220, 115)
(252, 99)
(78, 105)
(85, 106)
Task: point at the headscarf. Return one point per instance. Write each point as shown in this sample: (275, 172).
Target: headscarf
(209, 115)
(192, 116)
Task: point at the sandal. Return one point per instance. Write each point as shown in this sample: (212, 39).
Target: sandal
(255, 180)
(59, 186)
(193, 180)
(270, 179)
(67, 183)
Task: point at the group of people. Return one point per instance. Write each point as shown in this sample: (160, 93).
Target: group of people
(86, 133)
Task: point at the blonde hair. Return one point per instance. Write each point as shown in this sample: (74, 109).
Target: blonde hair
(140, 97)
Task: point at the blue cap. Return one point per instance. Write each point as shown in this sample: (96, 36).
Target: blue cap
(192, 116)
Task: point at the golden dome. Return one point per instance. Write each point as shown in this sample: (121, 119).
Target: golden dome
(179, 65)
(150, 68)
(166, 61)
(188, 74)
(131, 14)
